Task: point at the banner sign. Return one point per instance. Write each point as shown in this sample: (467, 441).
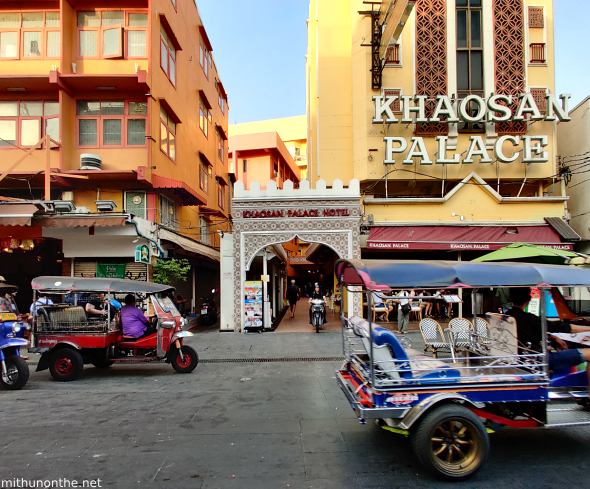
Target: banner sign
(451, 246)
(110, 270)
(253, 304)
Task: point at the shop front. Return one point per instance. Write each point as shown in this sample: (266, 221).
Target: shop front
(263, 221)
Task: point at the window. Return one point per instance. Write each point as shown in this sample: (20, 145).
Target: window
(220, 147)
(167, 56)
(204, 230)
(469, 57)
(24, 123)
(220, 96)
(538, 52)
(221, 195)
(204, 171)
(167, 134)
(29, 35)
(167, 212)
(204, 118)
(111, 123)
(245, 166)
(536, 17)
(102, 34)
(204, 58)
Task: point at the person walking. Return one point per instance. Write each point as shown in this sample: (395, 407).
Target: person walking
(403, 313)
(293, 295)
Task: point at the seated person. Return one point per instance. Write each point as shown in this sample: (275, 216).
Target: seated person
(317, 294)
(134, 321)
(386, 308)
(93, 305)
(529, 330)
(427, 305)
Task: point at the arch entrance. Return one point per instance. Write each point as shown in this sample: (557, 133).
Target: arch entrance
(265, 220)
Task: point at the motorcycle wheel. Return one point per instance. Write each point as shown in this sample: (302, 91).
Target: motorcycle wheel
(317, 320)
(66, 364)
(17, 373)
(191, 359)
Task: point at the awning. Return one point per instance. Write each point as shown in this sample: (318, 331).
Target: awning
(468, 238)
(73, 221)
(189, 244)
(188, 195)
(17, 214)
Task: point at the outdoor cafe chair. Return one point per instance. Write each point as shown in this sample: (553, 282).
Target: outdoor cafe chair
(461, 329)
(433, 336)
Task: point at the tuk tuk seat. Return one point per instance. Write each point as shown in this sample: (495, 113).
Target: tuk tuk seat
(389, 354)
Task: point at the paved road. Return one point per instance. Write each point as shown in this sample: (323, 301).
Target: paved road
(242, 425)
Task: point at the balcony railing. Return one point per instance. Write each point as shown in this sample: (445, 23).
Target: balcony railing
(538, 52)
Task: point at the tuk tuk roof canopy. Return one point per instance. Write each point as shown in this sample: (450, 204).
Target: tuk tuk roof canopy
(58, 284)
(402, 274)
(7, 289)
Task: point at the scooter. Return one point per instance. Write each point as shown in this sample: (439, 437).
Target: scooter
(209, 310)
(14, 371)
(317, 313)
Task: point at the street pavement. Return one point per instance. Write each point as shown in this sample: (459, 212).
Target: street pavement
(240, 422)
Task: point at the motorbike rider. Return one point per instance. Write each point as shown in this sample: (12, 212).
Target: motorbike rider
(317, 294)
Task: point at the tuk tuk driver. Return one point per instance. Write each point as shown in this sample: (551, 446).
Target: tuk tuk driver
(317, 294)
(133, 320)
(529, 330)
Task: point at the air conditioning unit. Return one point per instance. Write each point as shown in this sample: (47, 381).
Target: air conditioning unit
(89, 161)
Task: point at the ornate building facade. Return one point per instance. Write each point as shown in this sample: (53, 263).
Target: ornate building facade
(446, 112)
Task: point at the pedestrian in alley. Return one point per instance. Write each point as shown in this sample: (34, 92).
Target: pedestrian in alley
(293, 296)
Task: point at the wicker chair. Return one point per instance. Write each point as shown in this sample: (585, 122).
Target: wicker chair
(461, 330)
(482, 332)
(433, 337)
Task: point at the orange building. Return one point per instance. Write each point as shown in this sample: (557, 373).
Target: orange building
(129, 95)
(261, 157)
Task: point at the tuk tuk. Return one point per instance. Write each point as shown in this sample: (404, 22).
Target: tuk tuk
(448, 406)
(68, 336)
(14, 370)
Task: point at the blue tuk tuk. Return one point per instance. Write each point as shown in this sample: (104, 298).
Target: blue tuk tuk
(488, 379)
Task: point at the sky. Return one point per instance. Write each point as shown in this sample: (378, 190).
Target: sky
(259, 48)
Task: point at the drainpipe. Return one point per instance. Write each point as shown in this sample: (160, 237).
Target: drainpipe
(145, 237)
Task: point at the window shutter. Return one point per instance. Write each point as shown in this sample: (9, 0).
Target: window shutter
(84, 268)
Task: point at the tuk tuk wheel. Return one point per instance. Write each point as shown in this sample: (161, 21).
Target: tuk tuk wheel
(186, 365)
(66, 364)
(451, 442)
(17, 373)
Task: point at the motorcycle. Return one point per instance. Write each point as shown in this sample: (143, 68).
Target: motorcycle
(14, 370)
(317, 313)
(209, 310)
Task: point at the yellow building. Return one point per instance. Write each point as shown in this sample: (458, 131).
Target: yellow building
(411, 98)
(129, 94)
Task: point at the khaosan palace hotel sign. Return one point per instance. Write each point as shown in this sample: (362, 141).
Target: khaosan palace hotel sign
(472, 108)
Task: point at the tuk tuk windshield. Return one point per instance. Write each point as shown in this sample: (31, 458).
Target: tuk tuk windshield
(167, 305)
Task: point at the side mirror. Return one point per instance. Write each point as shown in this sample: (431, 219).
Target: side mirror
(168, 324)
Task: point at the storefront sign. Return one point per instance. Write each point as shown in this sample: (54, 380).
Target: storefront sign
(110, 270)
(296, 213)
(471, 109)
(451, 246)
(142, 254)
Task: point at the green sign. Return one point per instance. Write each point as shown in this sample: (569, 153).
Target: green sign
(110, 270)
(142, 254)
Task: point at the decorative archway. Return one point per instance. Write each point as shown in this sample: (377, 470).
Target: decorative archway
(265, 217)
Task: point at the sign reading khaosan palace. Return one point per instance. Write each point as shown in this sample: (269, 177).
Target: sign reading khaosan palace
(472, 108)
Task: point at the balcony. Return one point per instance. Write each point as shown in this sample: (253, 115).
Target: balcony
(538, 53)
